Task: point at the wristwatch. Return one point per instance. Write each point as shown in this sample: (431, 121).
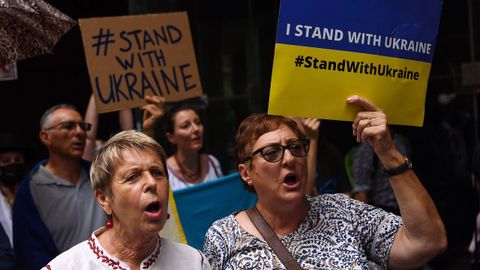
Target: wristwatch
(406, 165)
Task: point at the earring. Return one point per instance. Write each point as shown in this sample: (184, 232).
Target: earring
(109, 224)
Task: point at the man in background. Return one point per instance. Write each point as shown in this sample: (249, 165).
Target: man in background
(55, 207)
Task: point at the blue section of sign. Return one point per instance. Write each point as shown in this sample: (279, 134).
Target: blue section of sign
(401, 29)
(200, 205)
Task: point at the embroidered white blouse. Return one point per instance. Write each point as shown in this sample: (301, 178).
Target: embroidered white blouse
(90, 254)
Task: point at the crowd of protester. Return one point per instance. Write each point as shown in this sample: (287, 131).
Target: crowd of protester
(69, 213)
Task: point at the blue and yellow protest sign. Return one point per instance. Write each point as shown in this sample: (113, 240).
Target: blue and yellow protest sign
(327, 51)
(129, 57)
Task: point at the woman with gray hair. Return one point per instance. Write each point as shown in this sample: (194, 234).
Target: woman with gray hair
(130, 181)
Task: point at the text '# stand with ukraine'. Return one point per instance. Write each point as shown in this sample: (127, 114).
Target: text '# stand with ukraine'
(129, 57)
(326, 51)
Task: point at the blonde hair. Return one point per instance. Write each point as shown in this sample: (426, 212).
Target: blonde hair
(110, 155)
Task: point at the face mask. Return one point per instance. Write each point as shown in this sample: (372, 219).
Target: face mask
(12, 174)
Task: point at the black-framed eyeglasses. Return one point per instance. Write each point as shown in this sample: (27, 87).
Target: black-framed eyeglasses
(274, 152)
(71, 125)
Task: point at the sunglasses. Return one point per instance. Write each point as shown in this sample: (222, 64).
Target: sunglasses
(274, 152)
(71, 125)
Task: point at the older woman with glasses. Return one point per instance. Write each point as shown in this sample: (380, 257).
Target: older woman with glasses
(130, 180)
(331, 231)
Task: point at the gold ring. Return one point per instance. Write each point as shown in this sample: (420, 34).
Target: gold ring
(369, 122)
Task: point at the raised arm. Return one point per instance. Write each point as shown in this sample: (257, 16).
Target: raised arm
(91, 116)
(125, 118)
(153, 111)
(309, 127)
(422, 234)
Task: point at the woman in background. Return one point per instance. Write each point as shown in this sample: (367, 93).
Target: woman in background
(188, 165)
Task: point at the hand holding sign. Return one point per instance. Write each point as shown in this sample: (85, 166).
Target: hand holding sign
(370, 124)
(152, 113)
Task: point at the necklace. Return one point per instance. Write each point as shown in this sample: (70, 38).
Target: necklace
(193, 177)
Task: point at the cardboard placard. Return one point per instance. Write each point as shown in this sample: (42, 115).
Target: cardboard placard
(129, 57)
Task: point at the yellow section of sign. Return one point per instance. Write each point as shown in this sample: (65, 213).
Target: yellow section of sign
(314, 82)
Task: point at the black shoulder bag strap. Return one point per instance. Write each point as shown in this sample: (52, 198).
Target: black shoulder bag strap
(272, 239)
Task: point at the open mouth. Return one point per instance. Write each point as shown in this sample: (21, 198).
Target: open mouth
(153, 207)
(154, 211)
(291, 180)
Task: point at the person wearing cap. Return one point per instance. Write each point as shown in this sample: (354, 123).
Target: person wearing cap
(13, 155)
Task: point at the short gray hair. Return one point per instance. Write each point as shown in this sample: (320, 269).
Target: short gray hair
(47, 115)
(110, 154)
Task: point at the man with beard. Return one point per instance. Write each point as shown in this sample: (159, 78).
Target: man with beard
(13, 155)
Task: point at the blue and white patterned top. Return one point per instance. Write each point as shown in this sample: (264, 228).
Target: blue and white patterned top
(338, 233)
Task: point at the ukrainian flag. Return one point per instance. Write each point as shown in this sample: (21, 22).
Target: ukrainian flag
(195, 208)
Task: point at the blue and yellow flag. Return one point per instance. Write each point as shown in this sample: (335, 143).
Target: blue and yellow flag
(327, 51)
(200, 205)
(173, 228)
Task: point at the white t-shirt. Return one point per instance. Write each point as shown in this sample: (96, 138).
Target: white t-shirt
(214, 172)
